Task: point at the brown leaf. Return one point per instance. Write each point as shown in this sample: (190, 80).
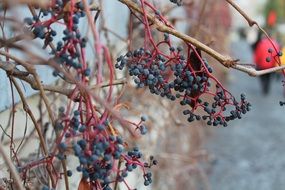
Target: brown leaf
(84, 185)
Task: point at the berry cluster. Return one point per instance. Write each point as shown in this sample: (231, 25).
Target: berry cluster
(65, 51)
(176, 78)
(104, 158)
(177, 2)
(188, 79)
(99, 150)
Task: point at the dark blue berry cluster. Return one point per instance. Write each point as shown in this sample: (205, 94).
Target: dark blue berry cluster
(67, 50)
(99, 152)
(187, 80)
(167, 72)
(177, 2)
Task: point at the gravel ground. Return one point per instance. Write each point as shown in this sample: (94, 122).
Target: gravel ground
(250, 152)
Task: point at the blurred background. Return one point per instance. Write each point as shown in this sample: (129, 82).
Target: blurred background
(249, 154)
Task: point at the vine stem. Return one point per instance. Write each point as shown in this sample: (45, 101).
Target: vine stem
(11, 69)
(225, 60)
(97, 43)
(12, 168)
(32, 71)
(250, 21)
(28, 110)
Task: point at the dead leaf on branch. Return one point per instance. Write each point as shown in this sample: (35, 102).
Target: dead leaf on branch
(84, 185)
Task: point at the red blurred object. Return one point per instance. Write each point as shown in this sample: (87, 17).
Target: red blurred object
(272, 18)
(265, 53)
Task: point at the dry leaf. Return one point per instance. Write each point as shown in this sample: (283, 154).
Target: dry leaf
(84, 185)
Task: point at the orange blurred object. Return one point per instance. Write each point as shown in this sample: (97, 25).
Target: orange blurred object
(272, 18)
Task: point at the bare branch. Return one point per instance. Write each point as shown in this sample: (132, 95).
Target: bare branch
(11, 3)
(28, 110)
(250, 21)
(31, 69)
(247, 18)
(225, 60)
(15, 39)
(11, 69)
(254, 73)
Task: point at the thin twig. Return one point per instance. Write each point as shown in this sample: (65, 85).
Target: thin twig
(32, 70)
(225, 60)
(12, 168)
(197, 28)
(28, 110)
(116, 183)
(4, 133)
(114, 33)
(11, 69)
(250, 21)
(16, 39)
(247, 18)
